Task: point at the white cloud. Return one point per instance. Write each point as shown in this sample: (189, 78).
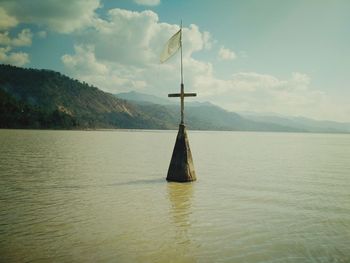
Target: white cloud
(125, 37)
(226, 54)
(42, 34)
(84, 61)
(7, 55)
(62, 16)
(147, 2)
(13, 58)
(107, 75)
(207, 39)
(250, 91)
(194, 40)
(121, 53)
(24, 38)
(6, 21)
(137, 38)
(129, 45)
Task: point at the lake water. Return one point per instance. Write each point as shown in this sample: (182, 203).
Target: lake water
(101, 196)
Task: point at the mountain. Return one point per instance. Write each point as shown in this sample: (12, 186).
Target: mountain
(306, 124)
(199, 115)
(31, 98)
(142, 98)
(207, 116)
(45, 99)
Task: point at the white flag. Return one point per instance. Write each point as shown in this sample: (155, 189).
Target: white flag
(171, 47)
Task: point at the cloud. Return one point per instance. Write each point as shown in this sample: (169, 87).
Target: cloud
(6, 21)
(121, 53)
(13, 58)
(226, 54)
(107, 75)
(129, 45)
(194, 40)
(137, 38)
(147, 2)
(84, 61)
(7, 43)
(62, 16)
(207, 40)
(24, 38)
(125, 37)
(42, 34)
(251, 91)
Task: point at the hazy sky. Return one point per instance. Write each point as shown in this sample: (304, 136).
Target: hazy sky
(287, 57)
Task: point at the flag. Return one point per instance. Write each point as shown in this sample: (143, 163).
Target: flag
(171, 47)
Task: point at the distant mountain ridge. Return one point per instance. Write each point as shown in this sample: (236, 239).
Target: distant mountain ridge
(225, 120)
(45, 99)
(140, 98)
(306, 124)
(199, 115)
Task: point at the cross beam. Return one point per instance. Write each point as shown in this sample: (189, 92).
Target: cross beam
(179, 95)
(182, 96)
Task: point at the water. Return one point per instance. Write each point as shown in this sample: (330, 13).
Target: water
(101, 196)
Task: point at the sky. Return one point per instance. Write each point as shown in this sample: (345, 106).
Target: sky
(287, 57)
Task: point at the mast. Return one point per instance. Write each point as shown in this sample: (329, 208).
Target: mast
(182, 78)
(182, 91)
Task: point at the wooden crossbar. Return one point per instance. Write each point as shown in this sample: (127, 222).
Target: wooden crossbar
(179, 95)
(182, 96)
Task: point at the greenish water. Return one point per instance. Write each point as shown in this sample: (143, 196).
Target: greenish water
(101, 196)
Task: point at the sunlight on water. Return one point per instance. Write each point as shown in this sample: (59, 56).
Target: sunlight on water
(101, 196)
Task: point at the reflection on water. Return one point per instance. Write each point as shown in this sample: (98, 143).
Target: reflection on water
(180, 197)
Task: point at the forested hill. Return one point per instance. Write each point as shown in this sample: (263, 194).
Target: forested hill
(31, 98)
